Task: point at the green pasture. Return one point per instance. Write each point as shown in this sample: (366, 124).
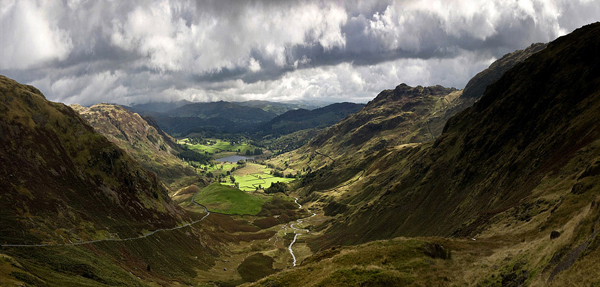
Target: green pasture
(224, 199)
(220, 168)
(252, 181)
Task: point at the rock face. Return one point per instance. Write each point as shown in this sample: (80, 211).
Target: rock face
(60, 181)
(145, 142)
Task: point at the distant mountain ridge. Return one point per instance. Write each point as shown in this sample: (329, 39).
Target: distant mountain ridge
(224, 110)
(159, 107)
(275, 107)
(300, 119)
(258, 118)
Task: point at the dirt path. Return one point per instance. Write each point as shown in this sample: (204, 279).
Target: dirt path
(116, 239)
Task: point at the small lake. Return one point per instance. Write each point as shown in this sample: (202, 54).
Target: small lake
(233, 158)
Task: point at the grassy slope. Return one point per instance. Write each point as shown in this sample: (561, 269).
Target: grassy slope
(228, 200)
(400, 116)
(398, 262)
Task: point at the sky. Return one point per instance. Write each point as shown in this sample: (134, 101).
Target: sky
(129, 52)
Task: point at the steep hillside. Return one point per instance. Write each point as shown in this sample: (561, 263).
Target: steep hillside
(148, 145)
(519, 169)
(476, 86)
(407, 115)
(57, 173)
(61, 184)
(301, 119)
(527, 127)
(401, 116)
(507, 195)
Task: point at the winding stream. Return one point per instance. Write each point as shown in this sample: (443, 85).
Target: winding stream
(296, 231)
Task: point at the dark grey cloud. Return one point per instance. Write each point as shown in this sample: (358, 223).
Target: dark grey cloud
(137, 51)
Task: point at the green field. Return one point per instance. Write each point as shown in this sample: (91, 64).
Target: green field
(218, 146)
(253, 175)
(219, 168)
(229, 200)
(252, 181)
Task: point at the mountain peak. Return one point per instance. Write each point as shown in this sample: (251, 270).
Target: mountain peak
(406, 91)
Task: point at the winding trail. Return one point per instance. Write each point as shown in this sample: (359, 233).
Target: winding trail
(116, 239)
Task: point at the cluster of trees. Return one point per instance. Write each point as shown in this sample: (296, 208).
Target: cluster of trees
(199, 140)
(191, 155)
(278, 173)
(256, 151)
(277, 187)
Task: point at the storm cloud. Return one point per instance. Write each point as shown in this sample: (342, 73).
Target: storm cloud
(125, 52)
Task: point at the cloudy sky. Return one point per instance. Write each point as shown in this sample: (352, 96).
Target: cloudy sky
(126, 52)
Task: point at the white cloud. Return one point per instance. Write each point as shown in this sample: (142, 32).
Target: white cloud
(253, 65)
(137, 51)
(342, 82)
(86, 89)
(212, 42)
(28, 37)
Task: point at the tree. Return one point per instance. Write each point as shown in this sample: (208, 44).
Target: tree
(277, 187)
(232, 178)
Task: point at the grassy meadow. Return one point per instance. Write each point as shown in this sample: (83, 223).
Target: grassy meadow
(255, 176)
(224, 199)
(219, 168)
